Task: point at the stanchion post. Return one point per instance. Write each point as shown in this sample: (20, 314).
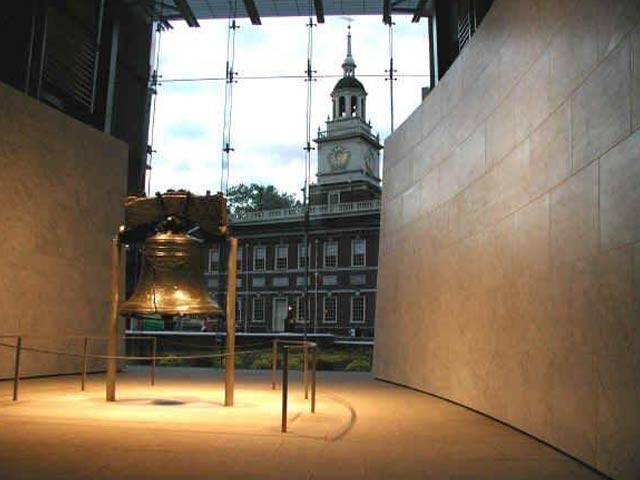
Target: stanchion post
(16, 369)
(314, 366)
(154, 354)
(285, 385)
(274, 363)
(305, 369)
(112, 338)
(230, 358)
(85, 360)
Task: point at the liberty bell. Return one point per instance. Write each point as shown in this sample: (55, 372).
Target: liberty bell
(171, 281)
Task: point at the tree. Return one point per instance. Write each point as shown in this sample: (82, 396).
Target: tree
(243, 198)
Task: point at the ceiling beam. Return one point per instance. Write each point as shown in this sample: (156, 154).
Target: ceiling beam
(252, 11)
(185, 10)
(386, 12)
(319, 7)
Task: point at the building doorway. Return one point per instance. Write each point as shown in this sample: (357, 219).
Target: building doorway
(279, 314)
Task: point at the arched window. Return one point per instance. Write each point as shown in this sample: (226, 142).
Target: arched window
(354, 106)
(342, 108)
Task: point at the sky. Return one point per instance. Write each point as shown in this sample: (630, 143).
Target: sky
(268, 127)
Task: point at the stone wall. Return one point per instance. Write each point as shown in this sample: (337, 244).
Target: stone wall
(62, 187)
(510, 251)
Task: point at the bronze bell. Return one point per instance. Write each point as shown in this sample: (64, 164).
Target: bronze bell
(171, 281)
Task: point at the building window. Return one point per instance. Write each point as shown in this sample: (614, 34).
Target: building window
(258, 282)
(357, 309)
(280, 281)
(300, 309)
(300, 281)
(258, 310)
(354, 106)
(358, 252)
(259, 257)
(239, 310)
(329, 280)
(333, 198)
(302, 258)
(358, 279)
(239, 259)
(330, 254)
(238, 283)
(214, 259)
(212, 282)
(330, 314)
(342, 107)
(282, 257)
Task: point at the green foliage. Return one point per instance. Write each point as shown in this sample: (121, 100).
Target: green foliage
(243, 198)
(359, 365)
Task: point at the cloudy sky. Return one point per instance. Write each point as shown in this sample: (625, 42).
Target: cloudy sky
(269, 116)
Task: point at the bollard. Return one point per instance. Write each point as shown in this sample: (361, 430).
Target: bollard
(314, 366)
(274, 363)
(285, 386)
(153, 361)
(305, 369)
(85, 360)
(16, 372)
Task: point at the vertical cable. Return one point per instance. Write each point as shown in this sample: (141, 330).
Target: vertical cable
(307, 166)
(153, 86)
(391, 78)
(228, 100)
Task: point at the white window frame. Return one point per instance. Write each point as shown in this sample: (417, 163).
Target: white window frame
(277, 257)
(239, 257)
(335, 195)
(239, 310)
(263, 249)
(364, 310)
(301, 257)
(214, 251)
(299, 305)
(325, 247)
(253, 310)
(354, 242)
(324, 310)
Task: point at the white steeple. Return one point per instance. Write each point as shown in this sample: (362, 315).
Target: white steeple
(349, 64)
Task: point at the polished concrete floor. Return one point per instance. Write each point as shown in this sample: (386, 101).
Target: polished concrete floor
(179, 429)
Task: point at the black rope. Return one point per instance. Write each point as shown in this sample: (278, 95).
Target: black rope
(154, 85)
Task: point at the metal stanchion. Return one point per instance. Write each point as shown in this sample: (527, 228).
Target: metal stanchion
(153, 360)
(85, 361)
(305, 369)
(230, 319)
(112, 340)
(274, 363)
(16, 371)
(314, 366)
(285, 385)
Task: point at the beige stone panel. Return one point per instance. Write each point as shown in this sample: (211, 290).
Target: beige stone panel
(620, 194)
(601, 109)
(550, 154)
(502, 130)
(497, 254)
(410, 205)
(522, 43)
(464, 166)
(616, 19)
(573, 51)
(573, 391)
(532, 242)
(574, 216)
(537, 406)
(429, 191)
(635, 78)
(533, 97)
(431, 111)
(449, 87)
(554, 15)
(618, 416)
(514, 175)
(433, 150)
(479, 100)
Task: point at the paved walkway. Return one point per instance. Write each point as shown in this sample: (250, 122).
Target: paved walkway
(363, 429)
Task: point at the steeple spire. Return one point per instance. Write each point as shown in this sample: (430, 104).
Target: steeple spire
(349, 64)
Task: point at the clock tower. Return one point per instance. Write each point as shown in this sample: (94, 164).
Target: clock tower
(348, 153)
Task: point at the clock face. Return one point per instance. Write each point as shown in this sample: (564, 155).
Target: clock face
(339, 157)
